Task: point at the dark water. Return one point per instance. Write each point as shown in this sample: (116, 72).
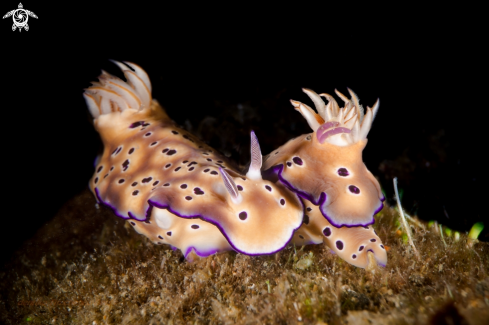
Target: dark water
(224, 76)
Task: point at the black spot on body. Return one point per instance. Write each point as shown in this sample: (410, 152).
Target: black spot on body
(220, 161)
(131, 151)
(160, 237)
(301, 237)
(169, 233)
(206, 170)
(195, 226)
(152, 144)
(268, 188)
(209, 159)
(178, 168)
(133, 223)
(112, 168)
(134, 184)
(354, 189)
(282, 201)
(191, 168)
(95, 180)
(167, 165)
(382, 246)
(354, 256)
(198, 191)
(361, 248)
(306, 219)
(156, 183)
(327, 231)
(183, 186)
(147, 134)
(185, 161)
(125, 165)
(213, 172)
(174, 132)
(188, 198)
(297, 161)
(166, 184)
(105, 176)
(240, 188)
(136, 124)
(373, 240)
(343, 172)
(100, 169)
(165, 150)
(339, 245)
(122, 180)
(309, 209)
(366, 227)
(289, 163)
(136, 192)
(171, 152)
(243, 215)
(147, 180)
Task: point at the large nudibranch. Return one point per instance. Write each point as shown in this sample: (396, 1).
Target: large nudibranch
(326, 167)
(174, 188)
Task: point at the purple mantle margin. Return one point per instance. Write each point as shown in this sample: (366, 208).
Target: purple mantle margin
(278, 169)
(158, 205)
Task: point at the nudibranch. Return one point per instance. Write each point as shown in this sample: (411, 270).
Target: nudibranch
(174, 188)
(326, 167)
(351, 244)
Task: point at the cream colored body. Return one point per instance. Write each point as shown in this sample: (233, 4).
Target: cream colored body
(356, 242)
(149, 164)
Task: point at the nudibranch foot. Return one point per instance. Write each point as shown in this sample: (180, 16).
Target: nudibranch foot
(149, 165)
(351, 244)
(326, 167)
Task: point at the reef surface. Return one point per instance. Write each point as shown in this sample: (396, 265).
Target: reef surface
(87, 266)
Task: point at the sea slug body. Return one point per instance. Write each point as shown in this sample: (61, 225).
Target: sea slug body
(169, 184)
(176, 190)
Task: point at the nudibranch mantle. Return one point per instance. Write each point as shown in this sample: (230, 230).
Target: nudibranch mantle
(149, 164)
(326, 167)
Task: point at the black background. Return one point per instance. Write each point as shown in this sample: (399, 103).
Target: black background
(426, 65)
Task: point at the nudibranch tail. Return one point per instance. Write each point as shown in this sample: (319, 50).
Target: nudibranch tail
(351, 244)
(149, 165)
(326, 167)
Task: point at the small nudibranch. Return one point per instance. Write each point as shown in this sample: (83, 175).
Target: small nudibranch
(173, 187)
(351, 244)
(326, 167)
